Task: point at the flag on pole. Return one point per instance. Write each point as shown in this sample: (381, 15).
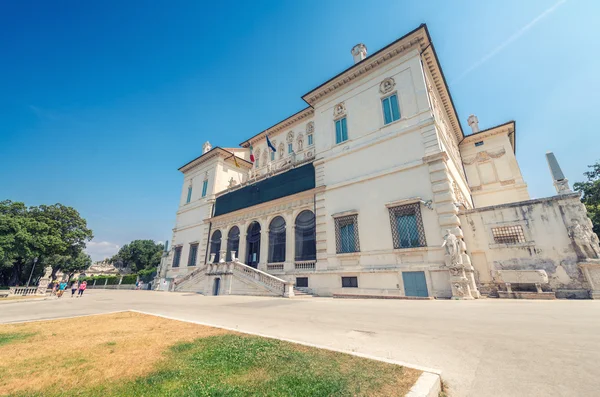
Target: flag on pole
(251, 154)
(269, 144)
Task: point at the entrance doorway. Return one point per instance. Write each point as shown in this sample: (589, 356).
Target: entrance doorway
(415, 284)
(253, 244)
(217, 286)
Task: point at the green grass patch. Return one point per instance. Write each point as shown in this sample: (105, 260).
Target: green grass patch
(12, 337)
(235, 365)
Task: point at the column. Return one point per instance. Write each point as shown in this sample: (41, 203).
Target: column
(290, 246)
(264, 247)
(241, 254)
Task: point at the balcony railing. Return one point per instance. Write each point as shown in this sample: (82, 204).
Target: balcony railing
(305, 265)
(275, 266)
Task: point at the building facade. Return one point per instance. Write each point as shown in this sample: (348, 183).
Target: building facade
(373, 190)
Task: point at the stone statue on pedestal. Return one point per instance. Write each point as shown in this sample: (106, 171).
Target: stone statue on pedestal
(452, 245)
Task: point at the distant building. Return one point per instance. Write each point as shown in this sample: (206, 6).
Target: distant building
(375, 190)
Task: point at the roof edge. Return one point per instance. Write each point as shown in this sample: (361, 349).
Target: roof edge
(488, 131)
(208, 155)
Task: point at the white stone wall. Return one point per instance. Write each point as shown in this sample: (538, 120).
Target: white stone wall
(547, 246)
(492, 171)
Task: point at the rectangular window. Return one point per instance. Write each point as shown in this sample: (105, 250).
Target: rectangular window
(177, 257)
(407, 226)
(480, 143)
(302, 282)
(346, 234)
(193, 254)
(272, 155)
(189, 195)
(341, 130)
(310, 140)
(508, 234)
(290, 149)
(256, 164)
(204, 187)
(349, 282)
(391, 111)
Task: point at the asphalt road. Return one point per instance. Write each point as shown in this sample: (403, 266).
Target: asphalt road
(486, 347)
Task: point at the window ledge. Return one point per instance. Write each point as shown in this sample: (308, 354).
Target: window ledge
(347, 254)
(394, 122)
(410, 249)
(517, 245)
(344, 213)
(397, 203)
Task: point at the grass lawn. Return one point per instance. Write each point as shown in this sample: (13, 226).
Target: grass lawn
(130, 354)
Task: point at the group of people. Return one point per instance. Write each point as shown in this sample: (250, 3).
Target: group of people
(58, 288)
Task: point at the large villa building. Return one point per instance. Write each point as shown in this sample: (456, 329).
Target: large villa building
(375, 190)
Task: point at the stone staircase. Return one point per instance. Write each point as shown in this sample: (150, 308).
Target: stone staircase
(300, 292)
(233, 278)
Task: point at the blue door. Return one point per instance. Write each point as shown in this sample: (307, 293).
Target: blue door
(414, 284)
(217, 286)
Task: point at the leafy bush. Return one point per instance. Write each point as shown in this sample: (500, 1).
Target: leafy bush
(129, 279)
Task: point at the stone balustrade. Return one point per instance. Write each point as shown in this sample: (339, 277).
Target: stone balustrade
(275, 266)
(285, 288)
(22, 291)
(305, 265)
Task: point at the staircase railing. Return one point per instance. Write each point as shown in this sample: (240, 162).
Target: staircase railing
(282, 287)
(188, 277)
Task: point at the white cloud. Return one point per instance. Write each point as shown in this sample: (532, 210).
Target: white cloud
(99, 250)
(508, 41)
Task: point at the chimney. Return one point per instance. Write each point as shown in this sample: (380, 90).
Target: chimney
(473, 123)
(359, 52)
(561, 184)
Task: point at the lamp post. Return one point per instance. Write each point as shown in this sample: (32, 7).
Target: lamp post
(32, 268)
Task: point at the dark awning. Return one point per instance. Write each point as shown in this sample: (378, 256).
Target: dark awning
(291, 182)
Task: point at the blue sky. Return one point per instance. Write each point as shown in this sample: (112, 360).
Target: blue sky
(101, 102)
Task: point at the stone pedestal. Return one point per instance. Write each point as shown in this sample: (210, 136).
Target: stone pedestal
(591, 270)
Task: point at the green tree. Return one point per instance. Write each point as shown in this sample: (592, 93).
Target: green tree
(42, 232)
(591, 194)
(139, 255)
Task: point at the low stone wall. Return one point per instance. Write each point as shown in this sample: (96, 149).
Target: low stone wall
(551, 234)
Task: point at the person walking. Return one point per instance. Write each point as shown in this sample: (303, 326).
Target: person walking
(54, 287)
(74, 288)
(82, 288)
(61, 288)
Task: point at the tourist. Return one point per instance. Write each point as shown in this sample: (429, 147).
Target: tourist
(74, 288)
(54, 287)
(82, 288)
(61, 288)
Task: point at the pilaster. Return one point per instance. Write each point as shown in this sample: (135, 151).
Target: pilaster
(320, 218)
(461, 271)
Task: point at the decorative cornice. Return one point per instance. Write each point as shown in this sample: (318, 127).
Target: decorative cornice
(367, 65)
(508, 128)
(214, 153)
(282, 125)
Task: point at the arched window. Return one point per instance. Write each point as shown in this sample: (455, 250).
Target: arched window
(233, 242)
(215, 244)
(277, 240)
(253, 244)
(306, 242)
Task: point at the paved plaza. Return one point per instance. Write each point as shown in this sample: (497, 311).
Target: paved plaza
(486, 347)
